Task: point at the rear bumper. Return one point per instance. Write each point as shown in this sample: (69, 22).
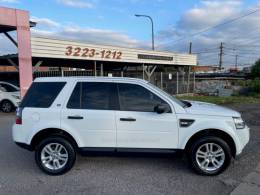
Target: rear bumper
(24, 146)
(20, 137)
(19, 134)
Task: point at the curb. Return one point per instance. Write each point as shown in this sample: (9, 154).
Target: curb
(250, 184)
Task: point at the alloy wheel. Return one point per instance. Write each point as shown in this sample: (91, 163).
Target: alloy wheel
(6, 106)
(54, 156)
(210, 157)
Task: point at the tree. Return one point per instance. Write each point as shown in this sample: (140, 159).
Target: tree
(256, 69)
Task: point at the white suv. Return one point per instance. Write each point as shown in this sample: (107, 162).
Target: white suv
(61, 116)
(9, 97)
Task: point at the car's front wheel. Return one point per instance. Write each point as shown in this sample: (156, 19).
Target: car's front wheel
(209, 155)
(6, 106)
(55, 155)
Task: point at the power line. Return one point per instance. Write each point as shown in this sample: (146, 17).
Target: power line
(251, 32)
(199, 53)
(253, 53)
(241, 45)
(218, 25)
(247, 42)
(241, 49)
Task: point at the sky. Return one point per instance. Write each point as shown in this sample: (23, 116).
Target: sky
(176, 23)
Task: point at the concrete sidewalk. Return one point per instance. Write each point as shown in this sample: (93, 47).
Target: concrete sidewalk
(250, 184)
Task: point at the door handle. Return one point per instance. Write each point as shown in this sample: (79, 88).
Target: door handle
(76, 117)
(128, 119)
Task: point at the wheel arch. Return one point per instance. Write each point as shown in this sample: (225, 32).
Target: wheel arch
(44, 133)
(213, 132)
(8, 101)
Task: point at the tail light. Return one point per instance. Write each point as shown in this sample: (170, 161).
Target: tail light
(18, 119)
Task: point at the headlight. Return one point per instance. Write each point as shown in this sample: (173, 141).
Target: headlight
(240, 124)
(16, 97)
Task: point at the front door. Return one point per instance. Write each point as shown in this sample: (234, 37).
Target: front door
(138, 126)
(90, 113)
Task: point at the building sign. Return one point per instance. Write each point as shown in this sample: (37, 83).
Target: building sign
(153, 57)
(63, 49)
(92, 53)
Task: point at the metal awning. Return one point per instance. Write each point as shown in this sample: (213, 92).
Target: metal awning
(72, 63)
(5, 29)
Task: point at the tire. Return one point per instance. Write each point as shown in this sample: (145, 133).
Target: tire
(204, 161)
(7, 106)
(55, 155)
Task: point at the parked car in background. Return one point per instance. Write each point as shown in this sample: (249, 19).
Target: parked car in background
(9, 97)
(60, 116)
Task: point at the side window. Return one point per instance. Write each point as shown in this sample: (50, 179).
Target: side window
(94, 96)
(75, 99)
(42, 94)
(137, 98)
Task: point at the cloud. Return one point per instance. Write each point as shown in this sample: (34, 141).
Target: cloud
(76, 3)
(9, 1)
(6, 46)
(45, 22)
(139, 1)
(49, 28)
(240, 37)
(91, 35)
(209, 13)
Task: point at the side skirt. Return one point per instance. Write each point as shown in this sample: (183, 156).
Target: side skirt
(131, 151)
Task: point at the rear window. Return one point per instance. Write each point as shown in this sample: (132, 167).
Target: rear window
(42, 94)
(94, 96)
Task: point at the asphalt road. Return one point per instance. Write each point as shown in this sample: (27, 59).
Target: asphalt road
(128, 174)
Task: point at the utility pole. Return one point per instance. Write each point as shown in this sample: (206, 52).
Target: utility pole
(190, 49)
(221, 56)
(236, 61)
(188, 85)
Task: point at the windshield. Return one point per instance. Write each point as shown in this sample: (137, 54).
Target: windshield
(7, 88)
(181, 103)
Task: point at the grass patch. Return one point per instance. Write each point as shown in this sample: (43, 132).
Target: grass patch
(223, 100)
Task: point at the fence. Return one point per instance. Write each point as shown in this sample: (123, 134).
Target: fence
(173, 83)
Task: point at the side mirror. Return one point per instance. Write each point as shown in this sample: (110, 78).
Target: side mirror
(161, 108)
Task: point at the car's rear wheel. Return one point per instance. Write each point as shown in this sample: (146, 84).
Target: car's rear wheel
(209, 155)
(55, 155)
(6, 106)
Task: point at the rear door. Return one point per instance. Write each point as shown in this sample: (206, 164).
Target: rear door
(39, 110)
(90, 113)
(138, 126)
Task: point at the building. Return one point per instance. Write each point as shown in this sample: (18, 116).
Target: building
(205, 69)
(35, 53)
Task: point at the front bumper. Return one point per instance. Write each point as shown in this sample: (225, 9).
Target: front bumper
(17, 103)
(243, 139)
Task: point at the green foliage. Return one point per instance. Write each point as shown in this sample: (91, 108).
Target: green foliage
(224, 100)
(255, 86)
(252, 85)
(256, 69)
(241, 83)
